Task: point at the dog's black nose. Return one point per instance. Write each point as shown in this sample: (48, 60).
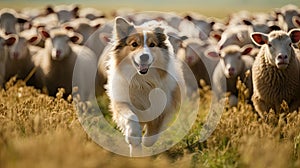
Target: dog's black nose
(144, 57)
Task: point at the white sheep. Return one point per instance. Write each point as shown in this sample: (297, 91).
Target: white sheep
(285, 16)
(276, 71)
(236, 35)
(91, 13)
(234, 63)
(81, 26)
(64, 13)
(19, 61)
(100, 38)
(195, 53)
(203, 25)
(9, 21)
(57, 60)
(4, 42)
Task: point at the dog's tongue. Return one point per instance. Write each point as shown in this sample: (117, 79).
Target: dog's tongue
(143, 69)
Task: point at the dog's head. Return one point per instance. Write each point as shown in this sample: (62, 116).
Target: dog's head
(144, 47)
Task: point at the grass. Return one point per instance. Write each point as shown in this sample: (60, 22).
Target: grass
(41, 131)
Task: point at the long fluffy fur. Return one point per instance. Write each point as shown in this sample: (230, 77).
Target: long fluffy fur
(130, 95)
(272, 86)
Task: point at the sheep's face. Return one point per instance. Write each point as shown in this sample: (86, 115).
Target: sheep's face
(60, 47)
(8, 23)
(232, 64)
(231, 59)
(58, 42)
(19, 49)
(278, 46)
(191, 54)
(65, 16)
(279, 51)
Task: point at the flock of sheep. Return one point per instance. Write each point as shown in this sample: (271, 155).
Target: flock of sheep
(41, 46)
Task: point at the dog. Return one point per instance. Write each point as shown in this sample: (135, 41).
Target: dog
(145, 82)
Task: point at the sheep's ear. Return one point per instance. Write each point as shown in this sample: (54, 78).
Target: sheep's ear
(22, 20)
(105, 38)
(175, 39)
(76, 38)
(274, 27)
(296, 21)
(213, 54)
(216, 35)
(10, 40)
(97, 26)
(259, 38)
(75, 11)
(44, 33)
(122, 28)
(295, 35)
(49, 9)
(68, 27)
(34, 40)
(247, 22)
(246, 49)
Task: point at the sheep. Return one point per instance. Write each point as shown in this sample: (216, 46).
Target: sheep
(91, 13)
(285, 16)
(261, 26)
(55, 63)
(238, 18)
(4, 42)
(234, 63)
(100, 38)
(194, 53)
(83, 27)
(202, 23)
(19, 61)
(276, 71)
(9, 21)
(236, 35)
(49, 21)
(64, 13)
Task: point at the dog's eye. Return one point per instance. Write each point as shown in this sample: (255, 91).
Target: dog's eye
(152, 45)
(134, 44)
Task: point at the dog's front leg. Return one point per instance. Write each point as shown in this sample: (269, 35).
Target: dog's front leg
(130, 125)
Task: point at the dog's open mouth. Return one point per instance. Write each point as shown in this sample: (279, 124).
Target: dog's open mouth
(142, 68)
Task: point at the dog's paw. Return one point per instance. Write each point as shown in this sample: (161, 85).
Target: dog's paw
(133, 133)
(149, 140)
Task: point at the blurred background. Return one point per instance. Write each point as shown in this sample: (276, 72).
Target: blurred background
(214, 8)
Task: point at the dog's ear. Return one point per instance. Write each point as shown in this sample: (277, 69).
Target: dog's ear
(122, 28)
(160, 34)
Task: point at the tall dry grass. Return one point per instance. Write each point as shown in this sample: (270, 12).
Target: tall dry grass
(41, 131)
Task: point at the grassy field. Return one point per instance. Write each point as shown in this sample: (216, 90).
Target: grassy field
(41, 131)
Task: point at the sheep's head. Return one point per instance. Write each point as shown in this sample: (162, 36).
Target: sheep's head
(278, 46)
(231, 59)
(58, 42)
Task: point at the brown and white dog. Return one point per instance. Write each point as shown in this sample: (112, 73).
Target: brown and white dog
(145, 82)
